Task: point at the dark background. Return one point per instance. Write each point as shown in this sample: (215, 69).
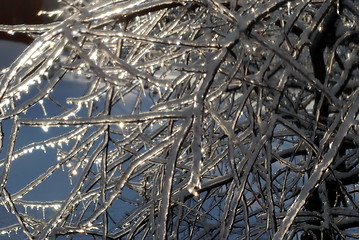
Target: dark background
(14, 12)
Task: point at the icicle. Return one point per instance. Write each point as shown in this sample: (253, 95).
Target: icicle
(7, 209)
(43, 212)
(25, 208)
(289, 8)
(43, 148)
(41, 102)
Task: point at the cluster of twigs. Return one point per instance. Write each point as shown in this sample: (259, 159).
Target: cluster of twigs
(214, 119)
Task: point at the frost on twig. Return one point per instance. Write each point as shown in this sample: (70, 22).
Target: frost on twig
(167, 119)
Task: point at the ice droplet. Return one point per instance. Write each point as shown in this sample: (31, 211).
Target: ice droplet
(57, 206)
(45, 128)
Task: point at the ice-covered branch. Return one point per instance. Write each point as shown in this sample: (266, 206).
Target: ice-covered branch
(183, 119)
